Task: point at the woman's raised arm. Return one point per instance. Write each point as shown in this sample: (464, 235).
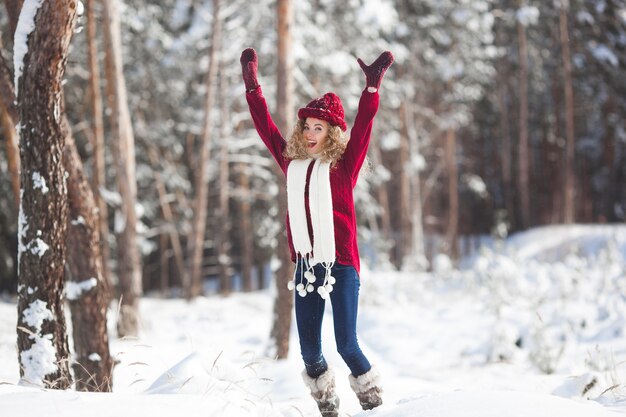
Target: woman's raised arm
(360, 134)
(261, 117)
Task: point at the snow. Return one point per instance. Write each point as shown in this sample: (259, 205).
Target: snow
(338, 62)
(527, 15)
(476, 184)
(80, 220)
(553, 242)
(377, 15)
(178, 15)
(466, 342)
(390, 141)
(40, 359)
(584, 16)
(501, 403)
(22, 228)
(39, 183)
(36, 313)
(25, 25)
(38, 247)
(418, 163)
(73, 289)
(112, 198)
(381, 173)
(442, 263)
(604, 53)
(119, 222)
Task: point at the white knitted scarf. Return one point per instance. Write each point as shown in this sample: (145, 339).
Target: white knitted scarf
(321, 207)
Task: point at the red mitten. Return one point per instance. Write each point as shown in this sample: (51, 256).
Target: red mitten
(374, 73)
(249, 65)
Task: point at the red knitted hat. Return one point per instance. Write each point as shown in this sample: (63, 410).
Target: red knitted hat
(328, 107)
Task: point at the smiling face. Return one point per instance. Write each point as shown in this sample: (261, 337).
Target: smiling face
(315, 133)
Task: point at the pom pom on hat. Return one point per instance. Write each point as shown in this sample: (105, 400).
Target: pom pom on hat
(328, 107)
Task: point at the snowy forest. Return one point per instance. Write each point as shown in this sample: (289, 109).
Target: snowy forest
(138, 206)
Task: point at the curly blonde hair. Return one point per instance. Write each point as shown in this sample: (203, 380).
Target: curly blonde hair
(333, 148)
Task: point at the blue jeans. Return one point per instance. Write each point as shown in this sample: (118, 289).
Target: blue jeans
(309, 315)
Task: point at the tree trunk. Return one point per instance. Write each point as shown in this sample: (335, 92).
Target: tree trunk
(419, 252)
(556, 132)
(8, 107)
(41, 336)
(196, 241)
(262, 275)
(13, 151)
(7, 89)
(505, 150)
(610, 155)
(164, 284)
(9, 115)
(13, 9)
(506, 156)
(246, 230)
(418, 259)
(129, 270)
(523, 155)
(584, 211)
(223, 257)
(285, 114)
(453, 195)
(405, 191)
(619, 180)
(98, 179)
(86, 289)
(569, 215)
(383, 199)
(224, 178)
(167, 215)
(380, 228)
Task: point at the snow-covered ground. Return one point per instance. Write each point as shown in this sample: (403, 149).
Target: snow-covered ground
(521, 331)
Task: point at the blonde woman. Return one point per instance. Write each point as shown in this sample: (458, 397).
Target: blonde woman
(321, 165)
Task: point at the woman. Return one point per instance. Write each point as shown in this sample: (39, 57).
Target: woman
(322, 167)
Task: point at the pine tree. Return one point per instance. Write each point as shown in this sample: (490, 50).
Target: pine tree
(129, 265)
(41, 55)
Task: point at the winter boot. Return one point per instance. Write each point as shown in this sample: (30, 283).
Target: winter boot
(367, 388)
(323, 392)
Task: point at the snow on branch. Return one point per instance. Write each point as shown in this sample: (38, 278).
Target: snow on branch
(25, 25)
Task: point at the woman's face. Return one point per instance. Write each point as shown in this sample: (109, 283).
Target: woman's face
(315, 133)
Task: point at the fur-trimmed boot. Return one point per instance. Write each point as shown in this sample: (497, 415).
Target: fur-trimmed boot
(323, 392)
(367, 388)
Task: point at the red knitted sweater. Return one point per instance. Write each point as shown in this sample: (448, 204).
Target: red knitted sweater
(343, 176)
